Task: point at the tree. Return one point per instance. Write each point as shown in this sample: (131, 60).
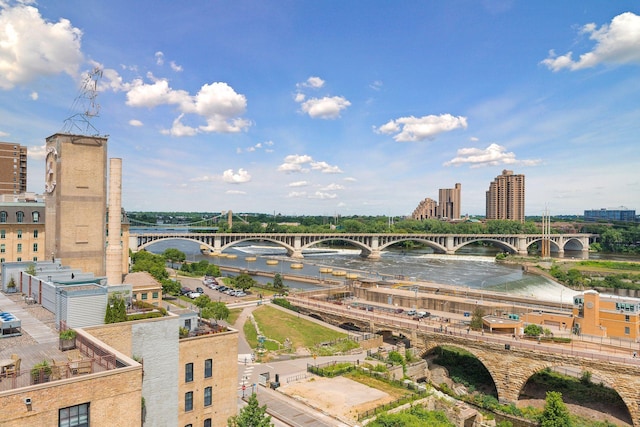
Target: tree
(532, 330)
(277, 281)
(174, 255)
(476, 319)
(215, 310)
(243, 281)
(555, 413)
(252, 415)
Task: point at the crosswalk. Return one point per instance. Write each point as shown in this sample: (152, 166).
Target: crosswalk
(246, 362)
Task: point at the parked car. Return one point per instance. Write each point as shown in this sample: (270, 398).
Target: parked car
(222, 288)
(241, 294)
(411, 313)
(194, 295)
(184, 290)
(423, 314)
(199, 289)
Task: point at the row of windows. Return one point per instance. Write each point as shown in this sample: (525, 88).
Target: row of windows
(3, 248)
(188, 370)
(207, 423)
(3, 234)
(188, 399)
(19, 259)
(145, 295)
(4, 216)
(74, 416)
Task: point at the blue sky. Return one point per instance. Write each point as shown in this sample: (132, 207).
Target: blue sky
(333, 107)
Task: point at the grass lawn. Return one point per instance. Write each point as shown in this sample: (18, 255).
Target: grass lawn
(234, 313)
(280, 325)
(373, 382)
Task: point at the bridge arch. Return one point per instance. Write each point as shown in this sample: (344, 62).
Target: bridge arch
(290, 249)
(365, 250)
(145, 245)
(438, 248)
(499, 243)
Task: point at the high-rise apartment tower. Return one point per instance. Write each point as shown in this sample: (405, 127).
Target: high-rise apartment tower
(449, 202)
(505, 198)
(13, 168)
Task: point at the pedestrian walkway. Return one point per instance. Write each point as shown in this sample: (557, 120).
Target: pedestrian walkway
(37, 330)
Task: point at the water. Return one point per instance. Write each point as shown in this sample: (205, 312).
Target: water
(473, 268)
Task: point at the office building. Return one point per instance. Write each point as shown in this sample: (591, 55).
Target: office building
(449, 202)
(611, 214)
(505, 198)
(13, 168)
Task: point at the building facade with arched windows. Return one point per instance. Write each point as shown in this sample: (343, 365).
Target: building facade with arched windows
(21, 228)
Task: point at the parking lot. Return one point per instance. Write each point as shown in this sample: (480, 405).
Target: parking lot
(193, 283)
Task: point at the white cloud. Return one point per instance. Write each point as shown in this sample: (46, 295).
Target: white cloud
(321, 195)
(217, 103)
(299, 97)
(30, 47)
(376, 85)
(421, 128)
(159, 58)
(299, 184)
(350, 179)
(240, 177)
(3, 134)
(333, 187)
(235, 192)
(175, 67)
(313, 82)
(328, 107)
(34, 96)
(493, 155)
(295, 163)
(204, 178)
(324, 167)
(297, 194)
(36, 152)
(616, 43)
(135, 123)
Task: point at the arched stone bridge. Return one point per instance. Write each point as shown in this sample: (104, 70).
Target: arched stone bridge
(371, 244)
(510, 368)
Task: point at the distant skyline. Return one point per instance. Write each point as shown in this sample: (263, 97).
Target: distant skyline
(335, 108)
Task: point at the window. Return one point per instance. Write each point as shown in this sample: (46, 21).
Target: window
(155, 295)
(19, 259)
(19, 234)
(19, 216)
(35, 216)
(188, 401)
(208, 368)
(19, 247)
(74, 416)
(207, 422)
(3, 216)
(627, 331)
(188, 372)
(144, 295)
(3, 248)
(35, 234)
(35, 247)
(2, 260)
(626, 317)
(3, 234)
(35, 259)
(207, 396)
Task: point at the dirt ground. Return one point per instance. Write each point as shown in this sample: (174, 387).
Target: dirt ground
(340, 397)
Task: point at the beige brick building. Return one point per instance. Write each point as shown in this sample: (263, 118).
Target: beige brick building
(76, 200)
(505, 198)
(13, 168)
(448, 205)
(145, 287)
(22, 228)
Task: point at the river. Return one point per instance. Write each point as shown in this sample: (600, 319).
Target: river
(472, 267)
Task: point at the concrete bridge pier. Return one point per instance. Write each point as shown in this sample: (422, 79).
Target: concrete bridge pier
(297, 254)
(374, 254)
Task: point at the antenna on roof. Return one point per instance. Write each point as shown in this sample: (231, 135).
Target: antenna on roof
(86, 103)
